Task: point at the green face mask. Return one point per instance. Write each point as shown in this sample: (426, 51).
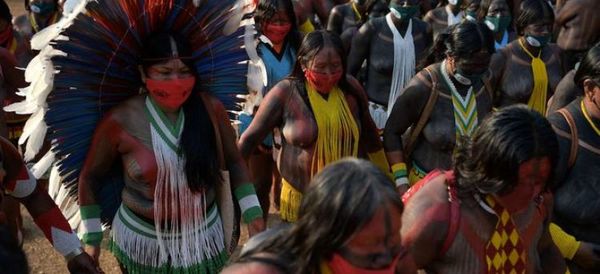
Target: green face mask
(471, 15)
(403, 12)
(498, 24)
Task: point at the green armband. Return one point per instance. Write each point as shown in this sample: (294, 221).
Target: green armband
(246, 196)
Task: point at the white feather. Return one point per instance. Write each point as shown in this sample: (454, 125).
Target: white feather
(67, 204)
(234, 22)
(42, 166)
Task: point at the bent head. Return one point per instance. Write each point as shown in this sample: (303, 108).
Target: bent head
(321, 60)
(469, 47)
(167, 70)
(511, 156)
(354, 213)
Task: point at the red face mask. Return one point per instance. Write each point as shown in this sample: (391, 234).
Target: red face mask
(339, 265)
(322, 82)
(170, 94)
(276, 33)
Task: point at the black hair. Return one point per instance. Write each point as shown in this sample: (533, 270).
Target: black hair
(197, 143)
(488, 162)
(340, 201)
(532, 11)
(589, 68)
(268, 8)
(28, 8)
(5, 12)
(460, 41)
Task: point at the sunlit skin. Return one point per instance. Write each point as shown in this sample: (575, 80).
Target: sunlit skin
(435, 146)
(374, 42)
(305, 9)
(285, 108)
(425, 224)
(511, 67)
(125, 134)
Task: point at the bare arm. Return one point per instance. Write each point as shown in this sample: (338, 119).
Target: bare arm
(497, 65)
(360, 49)
(369, 138)
(322, 9)
(550, 258)
(268, 116)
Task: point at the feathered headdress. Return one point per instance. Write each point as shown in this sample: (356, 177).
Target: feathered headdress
(88, 63)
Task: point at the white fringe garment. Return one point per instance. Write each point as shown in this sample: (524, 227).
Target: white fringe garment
(404, 61)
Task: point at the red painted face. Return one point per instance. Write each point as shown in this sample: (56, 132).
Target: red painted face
(375, 248)
(170, 83)
(533, 175)
(325, 70)
(277, 28)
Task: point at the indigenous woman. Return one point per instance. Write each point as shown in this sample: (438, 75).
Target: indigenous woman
(346, 19)
(278, 43)
(322, 115)
(392, 46)
(528, 70)
(349, 224)
(307, 10)
(441, 103)
(444, 16)
(496, 15)
(169, 142)
(40, 14)
(576, 205)
(491, 214)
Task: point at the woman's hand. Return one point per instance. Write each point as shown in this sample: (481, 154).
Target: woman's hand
(94, 252)
(85, 263)
(588, 256)
(256, 227)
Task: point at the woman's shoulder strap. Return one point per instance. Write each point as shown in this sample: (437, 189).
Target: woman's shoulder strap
(574, 135)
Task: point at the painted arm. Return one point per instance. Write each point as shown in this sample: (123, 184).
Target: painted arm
(360, 49)
(240, 180)
(497, 65)
(21, 184)
(406, 112)
(101, 155)
(268, 116)
(425, 223)
(550, 258)
(13, 78)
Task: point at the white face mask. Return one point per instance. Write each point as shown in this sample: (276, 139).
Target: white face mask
(533, 42)
(453, 2)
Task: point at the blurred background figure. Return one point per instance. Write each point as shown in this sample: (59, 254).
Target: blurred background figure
(448, 13)
(346, 19)
(496, 14)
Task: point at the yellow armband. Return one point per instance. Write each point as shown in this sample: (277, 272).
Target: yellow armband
(566, 243)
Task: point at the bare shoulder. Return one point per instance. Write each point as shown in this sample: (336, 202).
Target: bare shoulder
(124, 112)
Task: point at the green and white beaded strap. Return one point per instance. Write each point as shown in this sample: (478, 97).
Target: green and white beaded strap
(246, 196)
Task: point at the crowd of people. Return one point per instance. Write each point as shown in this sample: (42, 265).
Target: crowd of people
(393, 136)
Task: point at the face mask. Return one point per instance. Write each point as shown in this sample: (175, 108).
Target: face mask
(322, 82)
(497, 24)
(403, 12)
(339, 265)
(467, 78)
(170, 94)
(471, 16)
(454, 2)
(42, 8)
(276, 33)
(537, 41)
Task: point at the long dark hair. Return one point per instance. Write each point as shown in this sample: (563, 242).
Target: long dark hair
(489, 161)
(461, 41)
(268, 8)
(532, 11)
(197, 143)
(340, 200)
(589, 68)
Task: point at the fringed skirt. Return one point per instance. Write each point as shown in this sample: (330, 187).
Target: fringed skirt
(134, 243)
(291, 198)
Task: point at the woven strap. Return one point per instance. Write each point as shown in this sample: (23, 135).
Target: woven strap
(409, 146)
(574, 136)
